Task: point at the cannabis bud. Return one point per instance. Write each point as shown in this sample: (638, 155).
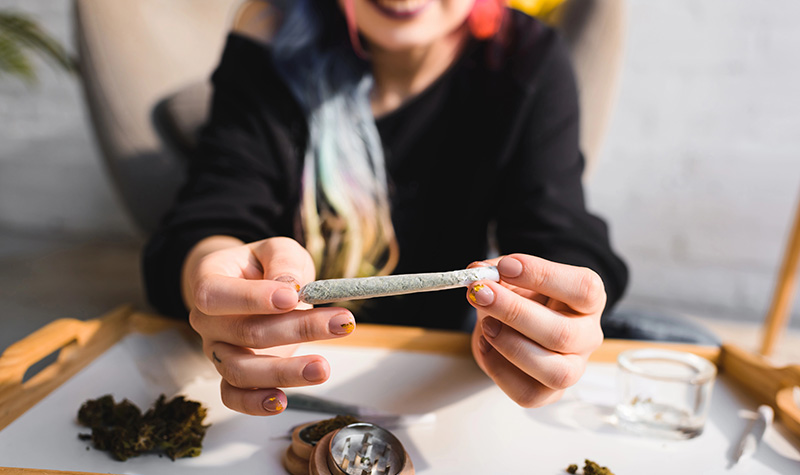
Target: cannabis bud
(590, 468)
(173, 427)
(314, 433)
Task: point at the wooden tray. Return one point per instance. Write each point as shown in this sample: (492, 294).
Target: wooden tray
(81, 342)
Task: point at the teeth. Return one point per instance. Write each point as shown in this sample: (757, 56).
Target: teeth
(402, 6)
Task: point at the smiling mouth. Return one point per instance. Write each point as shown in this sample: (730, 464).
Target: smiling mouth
(401, 8)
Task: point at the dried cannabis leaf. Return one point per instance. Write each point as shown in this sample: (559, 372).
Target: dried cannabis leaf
(590, 468)
(314, 433)
(173, 427)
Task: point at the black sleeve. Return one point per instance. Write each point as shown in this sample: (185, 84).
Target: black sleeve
(243, 183)
(542, 210)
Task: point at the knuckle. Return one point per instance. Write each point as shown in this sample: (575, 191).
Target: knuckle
(232, 373)
(284, 376)
(530, 398)
(591, 288)
(226, 395)
(538, 397)
(596, 338)
(284, 253)
(203, 296)
(515, 313)
(567, 375)
(250, 300)
(563, 338)
(305, 329)
(542, 275)
(246, 333)
(512, 348)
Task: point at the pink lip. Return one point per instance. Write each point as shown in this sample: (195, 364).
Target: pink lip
(400, 15)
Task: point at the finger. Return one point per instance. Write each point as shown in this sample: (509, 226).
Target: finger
(547, 327)
(244, 369)
(283, 258)
(256, 402)
(486, 262)
(554, 370)
(578, 287)
(266, 331)
(520, 387)
(218, 294)
(527, 293)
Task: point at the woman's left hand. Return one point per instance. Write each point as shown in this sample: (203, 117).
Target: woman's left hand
(537, 327)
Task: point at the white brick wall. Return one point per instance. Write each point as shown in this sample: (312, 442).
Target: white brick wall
(51, 178)
(699, 175)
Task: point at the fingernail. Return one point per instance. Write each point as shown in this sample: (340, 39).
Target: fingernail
(284, 299)
(483, 345)
(273, 404)
(481, 294)
(509, 267)
(314, 372)
(341, 324)
(491, 327)
(289, 280)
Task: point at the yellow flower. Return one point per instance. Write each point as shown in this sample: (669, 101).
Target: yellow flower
(537, 8)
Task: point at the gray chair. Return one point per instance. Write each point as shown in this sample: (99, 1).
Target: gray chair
(132, 55)
(145, 66)
(596, 32)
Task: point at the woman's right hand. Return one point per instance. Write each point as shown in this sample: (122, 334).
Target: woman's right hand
(244, 304)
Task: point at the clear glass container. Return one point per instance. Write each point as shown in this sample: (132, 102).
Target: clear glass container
(663, 393)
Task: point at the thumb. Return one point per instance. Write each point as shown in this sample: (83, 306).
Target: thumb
(285, 260)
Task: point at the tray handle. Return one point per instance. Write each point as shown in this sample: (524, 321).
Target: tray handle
(766, 383)
(20, 356)
(79, 343)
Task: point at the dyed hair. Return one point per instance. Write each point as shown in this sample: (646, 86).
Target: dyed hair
(345, 208)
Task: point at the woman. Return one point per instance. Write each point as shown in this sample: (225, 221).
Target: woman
(374, 136)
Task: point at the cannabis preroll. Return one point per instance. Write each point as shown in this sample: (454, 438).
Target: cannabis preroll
(337, 290)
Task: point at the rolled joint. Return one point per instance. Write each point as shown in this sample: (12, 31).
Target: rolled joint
(338, 290)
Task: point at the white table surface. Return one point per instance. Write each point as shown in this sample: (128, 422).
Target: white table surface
(477, 430)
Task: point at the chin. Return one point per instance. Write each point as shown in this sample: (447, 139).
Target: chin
(399, 40)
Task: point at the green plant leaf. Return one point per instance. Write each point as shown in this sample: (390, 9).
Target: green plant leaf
(19, 34)
(14, 62)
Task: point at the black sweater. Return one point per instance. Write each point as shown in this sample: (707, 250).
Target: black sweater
(491, 145)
